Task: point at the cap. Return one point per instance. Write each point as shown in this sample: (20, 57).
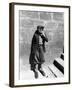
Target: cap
(41, 27)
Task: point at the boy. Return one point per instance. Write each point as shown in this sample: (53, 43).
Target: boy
(38, 50)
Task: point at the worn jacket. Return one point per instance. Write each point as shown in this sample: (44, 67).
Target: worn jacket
(37, 50)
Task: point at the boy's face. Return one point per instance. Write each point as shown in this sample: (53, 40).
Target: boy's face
(40, 30)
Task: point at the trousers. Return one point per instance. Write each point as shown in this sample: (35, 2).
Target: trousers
(33, 66)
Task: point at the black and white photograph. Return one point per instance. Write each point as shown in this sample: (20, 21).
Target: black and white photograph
(39, 44)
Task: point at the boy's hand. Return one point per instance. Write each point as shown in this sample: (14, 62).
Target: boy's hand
(42, 33)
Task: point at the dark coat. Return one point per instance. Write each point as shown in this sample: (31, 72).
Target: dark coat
(37, 51)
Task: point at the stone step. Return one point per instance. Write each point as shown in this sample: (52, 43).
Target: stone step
(48, 71)
(60, 61)
(62, 56)
(55, 71)
(59, 66)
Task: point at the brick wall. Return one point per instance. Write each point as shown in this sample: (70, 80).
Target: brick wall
(54, 27)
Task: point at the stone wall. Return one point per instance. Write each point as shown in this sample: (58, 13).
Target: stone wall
(54, 28)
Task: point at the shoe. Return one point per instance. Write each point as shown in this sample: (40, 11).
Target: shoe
(35, 74)
(42, 72)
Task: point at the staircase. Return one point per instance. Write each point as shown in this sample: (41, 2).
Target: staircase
(57, 68)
